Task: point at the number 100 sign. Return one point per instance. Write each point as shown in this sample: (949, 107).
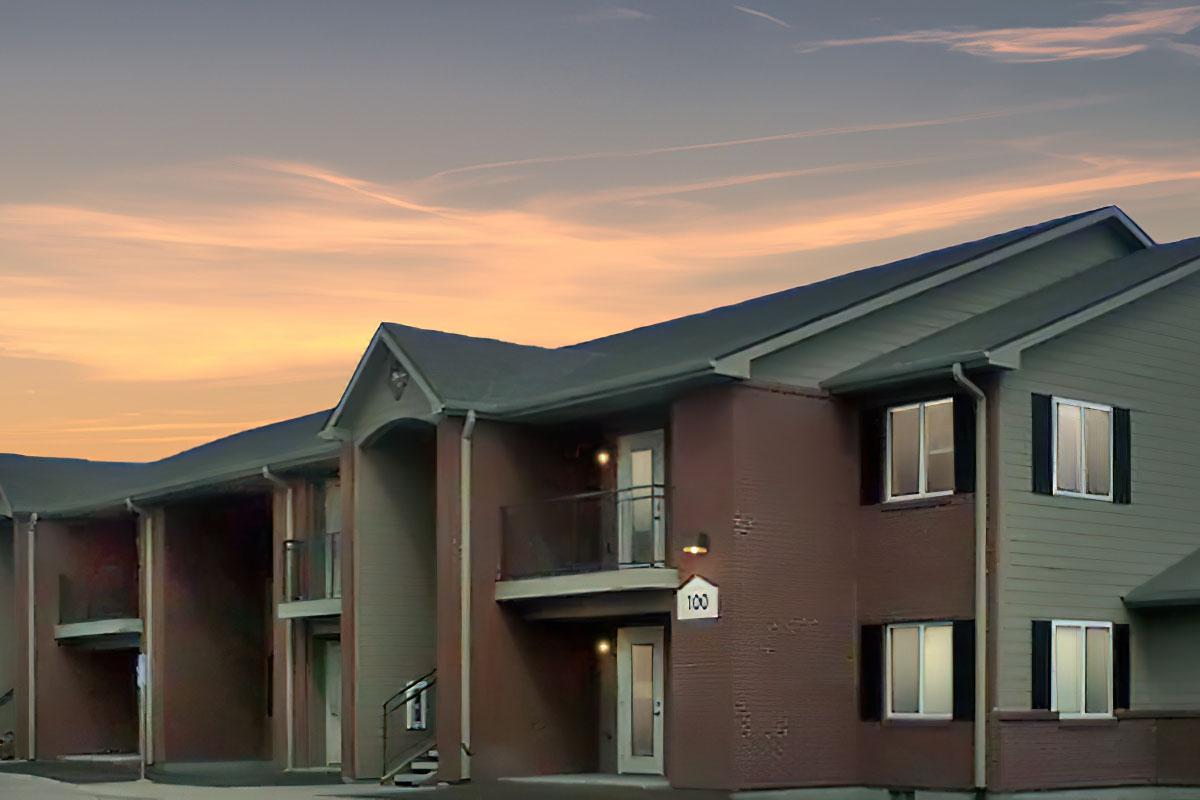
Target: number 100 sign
(696, 599)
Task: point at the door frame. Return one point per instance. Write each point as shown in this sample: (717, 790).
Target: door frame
(331, 713)
(627, 762)
(655, 441)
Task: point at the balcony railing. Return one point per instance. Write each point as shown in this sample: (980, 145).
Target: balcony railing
(587, 532)
(110, 592)
(312, 568)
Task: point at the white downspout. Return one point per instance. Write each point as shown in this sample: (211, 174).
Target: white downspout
(31, 638)
(981, 594)
(465, 599)
(146, 720)
(289, 649)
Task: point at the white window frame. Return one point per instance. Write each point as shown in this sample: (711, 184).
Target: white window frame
(887, 670)
(922, 456)
(1083, 625)
(1080, 404)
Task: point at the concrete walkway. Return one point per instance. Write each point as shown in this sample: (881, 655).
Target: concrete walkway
(16, 786)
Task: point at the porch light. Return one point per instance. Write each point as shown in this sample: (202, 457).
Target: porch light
(603, 456)
(698, 546)
(602, 647)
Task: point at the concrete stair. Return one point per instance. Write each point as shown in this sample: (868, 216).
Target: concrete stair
(420, 771)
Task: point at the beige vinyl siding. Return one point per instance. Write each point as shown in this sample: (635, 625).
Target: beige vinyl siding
(395, 586)
(809, 362)
(8, 627)
(1063, 557)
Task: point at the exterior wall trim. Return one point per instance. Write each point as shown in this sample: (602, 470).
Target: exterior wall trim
(100, 627)
(619, 580)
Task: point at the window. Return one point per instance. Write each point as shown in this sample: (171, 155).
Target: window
(920, 449)
(1083, 446)
(920, 670)
(1082, 669)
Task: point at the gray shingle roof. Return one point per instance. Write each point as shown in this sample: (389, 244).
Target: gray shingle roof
(499, 377)
(974, 339)
(1177, 585)
(55, 485)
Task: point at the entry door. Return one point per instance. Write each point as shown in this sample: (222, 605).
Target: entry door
(640, 700)
(640, 494)
(333, 702)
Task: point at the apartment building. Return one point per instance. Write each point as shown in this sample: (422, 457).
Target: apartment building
(922, 527)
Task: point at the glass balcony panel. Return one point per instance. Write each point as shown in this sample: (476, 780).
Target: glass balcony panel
(312, 568)
(582, 532)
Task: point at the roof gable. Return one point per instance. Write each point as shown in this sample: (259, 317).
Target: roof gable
(999, 336)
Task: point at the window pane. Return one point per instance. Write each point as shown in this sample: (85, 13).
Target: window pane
(1098, 650)
(641, 475)
(905, 668)
(906, 434)
(1095, 426)
(642, 708)
(939, 668)
(1068, 449)
(939, 447)
(1066, 668)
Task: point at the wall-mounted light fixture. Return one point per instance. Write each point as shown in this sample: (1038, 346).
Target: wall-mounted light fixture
(698, 546)
(603, 647)
(603, 457)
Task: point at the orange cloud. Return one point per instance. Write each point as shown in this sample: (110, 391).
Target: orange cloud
(1107, 37)
(209, 316)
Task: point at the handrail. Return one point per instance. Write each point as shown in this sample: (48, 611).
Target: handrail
(428, 678)
(588, 495)
(414, 748)
(6, 698)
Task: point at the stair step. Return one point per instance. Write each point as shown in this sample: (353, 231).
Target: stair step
(423, 766)
(409, 779)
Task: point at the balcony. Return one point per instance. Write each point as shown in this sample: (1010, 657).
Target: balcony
(584, 544)
(100, 610)
(312, 577)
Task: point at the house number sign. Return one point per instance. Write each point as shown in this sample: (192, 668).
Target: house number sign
(697, 599)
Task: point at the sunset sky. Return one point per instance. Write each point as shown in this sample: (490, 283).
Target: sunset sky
(207, 207)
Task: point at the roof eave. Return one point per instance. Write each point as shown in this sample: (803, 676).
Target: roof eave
(855, 380)
(163, 492)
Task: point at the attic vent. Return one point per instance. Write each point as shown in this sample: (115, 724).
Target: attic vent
(397, 380)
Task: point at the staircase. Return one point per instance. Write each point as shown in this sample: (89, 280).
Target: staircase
(420, 771)
(410, 757)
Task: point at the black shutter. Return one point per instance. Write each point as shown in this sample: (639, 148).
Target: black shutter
(964, 443)
(1041, 663)
(872, 431)
(1120, 666)
(870, 672)
(1042, 469)
(1122, 447)
(964, 669)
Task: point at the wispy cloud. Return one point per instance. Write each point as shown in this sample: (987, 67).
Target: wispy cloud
(1107, 37)
(811, 133)
(763, 15)
(615, 14)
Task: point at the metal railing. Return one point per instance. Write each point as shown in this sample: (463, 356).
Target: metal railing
(587, 532)
(110, 592)
(409, 723)
(312, 568)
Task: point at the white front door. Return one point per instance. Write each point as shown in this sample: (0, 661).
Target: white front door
(333, 702)
(640, 700)
(641, 473)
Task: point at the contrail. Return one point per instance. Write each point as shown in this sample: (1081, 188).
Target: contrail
(779, 137)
